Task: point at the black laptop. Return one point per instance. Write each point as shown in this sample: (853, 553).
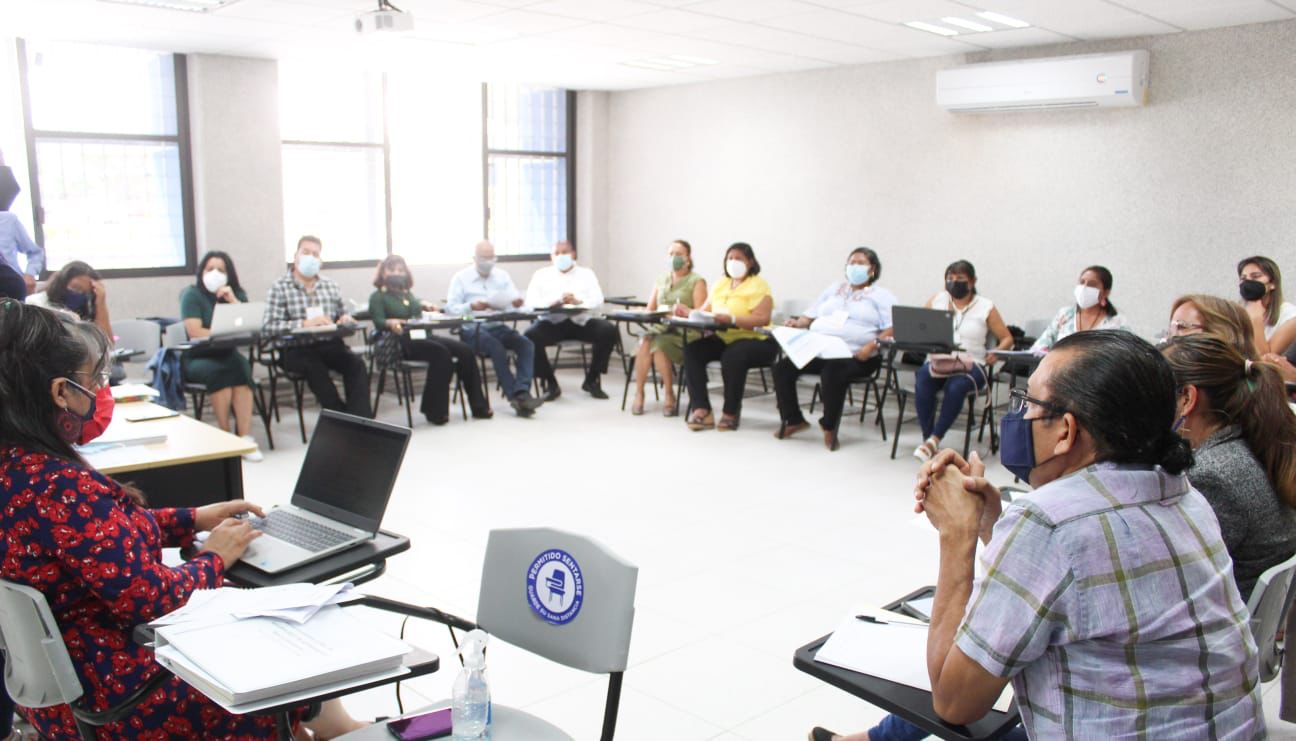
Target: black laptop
(932, 329)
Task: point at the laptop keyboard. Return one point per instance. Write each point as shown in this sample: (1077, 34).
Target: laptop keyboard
(300, 531)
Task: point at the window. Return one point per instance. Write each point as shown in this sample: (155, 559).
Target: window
(108, 154)
(335, 161)
(529, 184)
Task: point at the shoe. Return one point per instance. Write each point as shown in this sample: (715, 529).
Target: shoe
(530, 402)
(437, 422)
(830, 440)
(520, 406)
(727, 423)
(255, 456)
(925, 451)
(484, 415)
(788, 429)
(595, 389)
(821, 734)
(703, 422)
(671, 409)
(552, 391)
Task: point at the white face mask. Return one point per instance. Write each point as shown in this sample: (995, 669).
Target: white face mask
(1086, 296)
(214, 280)
(737, 269)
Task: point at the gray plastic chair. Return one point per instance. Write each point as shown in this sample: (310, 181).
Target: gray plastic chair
(1268, 605)
(138, 334)
(38, 671)
(596, 639)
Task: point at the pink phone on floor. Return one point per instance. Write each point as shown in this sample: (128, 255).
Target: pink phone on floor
(435, 724)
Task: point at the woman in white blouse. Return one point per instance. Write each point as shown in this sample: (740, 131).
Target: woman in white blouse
(1092, 309)
(855, 309)
(975, 320)
(1274, 320)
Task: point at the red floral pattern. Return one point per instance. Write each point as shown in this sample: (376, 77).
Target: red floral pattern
(72, 533)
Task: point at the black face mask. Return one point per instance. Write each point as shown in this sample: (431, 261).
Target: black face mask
(9, 189)
(958, 288)
(398, 282)
(1252, 290)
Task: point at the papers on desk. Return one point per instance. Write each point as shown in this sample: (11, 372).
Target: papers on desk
(320, 329)
(697, 315)
(894, 649)
(239, 646)
(801, 345)
(128, 392)
(120, 437)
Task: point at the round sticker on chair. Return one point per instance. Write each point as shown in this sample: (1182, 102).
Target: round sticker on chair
(555, 588)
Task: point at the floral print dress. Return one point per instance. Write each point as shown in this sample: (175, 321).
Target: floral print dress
(73, 534)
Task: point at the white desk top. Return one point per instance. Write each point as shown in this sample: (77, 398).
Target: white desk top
(187, 441)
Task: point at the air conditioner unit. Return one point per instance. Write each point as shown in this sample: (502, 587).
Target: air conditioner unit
(1086, 81)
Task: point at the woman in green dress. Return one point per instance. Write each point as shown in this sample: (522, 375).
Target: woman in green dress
(226, 373)
(663, 346)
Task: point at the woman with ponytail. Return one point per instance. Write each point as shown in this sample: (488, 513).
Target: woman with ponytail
(1106, 598)
(90, 546)
(1234, 413)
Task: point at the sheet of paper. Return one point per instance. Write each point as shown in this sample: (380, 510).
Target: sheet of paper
(313, 312)
(801, 345)
(895, 651)
(697, 315)
(923, 605)
(133, 391)
(502, 299)
(292, 602)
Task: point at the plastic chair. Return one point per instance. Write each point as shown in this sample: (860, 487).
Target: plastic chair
(38, 671)
(138, 334)
(1269, 602)
(176, 334)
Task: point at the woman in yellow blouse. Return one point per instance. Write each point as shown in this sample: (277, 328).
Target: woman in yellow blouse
(741, 301)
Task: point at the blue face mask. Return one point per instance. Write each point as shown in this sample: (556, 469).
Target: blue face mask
(563, 262)
(1017, 444)
(76, 301)
(308, 265)
(857, 274)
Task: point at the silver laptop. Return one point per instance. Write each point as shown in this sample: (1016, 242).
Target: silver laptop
(342, 492)
(915, 325)
(234, 319)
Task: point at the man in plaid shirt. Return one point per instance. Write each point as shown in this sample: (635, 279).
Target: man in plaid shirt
(303, 299)
(1108, 596)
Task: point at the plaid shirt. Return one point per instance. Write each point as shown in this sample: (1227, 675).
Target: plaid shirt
(288, 300)
(1108, 597)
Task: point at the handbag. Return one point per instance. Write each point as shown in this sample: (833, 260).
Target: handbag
(944, 365)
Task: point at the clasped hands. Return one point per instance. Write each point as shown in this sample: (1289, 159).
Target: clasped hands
(956, 496)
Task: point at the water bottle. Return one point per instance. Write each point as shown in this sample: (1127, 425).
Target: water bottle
(470, 699)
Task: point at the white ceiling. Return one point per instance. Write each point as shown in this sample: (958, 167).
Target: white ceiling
(585, 44)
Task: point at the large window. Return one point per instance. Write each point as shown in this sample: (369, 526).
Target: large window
(335, 161)
(529, 184)
(108, 154)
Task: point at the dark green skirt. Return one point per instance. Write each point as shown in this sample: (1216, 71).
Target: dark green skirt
(218, 370)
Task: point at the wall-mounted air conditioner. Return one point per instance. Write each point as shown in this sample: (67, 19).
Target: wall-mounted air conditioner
(1086, 81)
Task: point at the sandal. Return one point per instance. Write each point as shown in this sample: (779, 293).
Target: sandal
(727, 423)
(701, 421)
(788, 429)
(925, 451)
(671, 409)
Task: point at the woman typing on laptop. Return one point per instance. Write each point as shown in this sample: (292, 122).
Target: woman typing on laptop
(90, 546)
(226, 372)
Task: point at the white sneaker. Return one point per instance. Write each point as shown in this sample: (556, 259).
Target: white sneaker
(924, 452)
(255, 456)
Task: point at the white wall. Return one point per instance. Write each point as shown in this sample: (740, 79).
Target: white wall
(806, 166)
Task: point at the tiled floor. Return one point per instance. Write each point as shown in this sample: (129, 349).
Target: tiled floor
(747, 547)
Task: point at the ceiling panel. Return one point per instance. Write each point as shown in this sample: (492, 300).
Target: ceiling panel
(749, 10)
(855, 29)
(787, 42)
(1199, 14)
(527, 22)
(899, 11)
(674, 21)
(593, 10)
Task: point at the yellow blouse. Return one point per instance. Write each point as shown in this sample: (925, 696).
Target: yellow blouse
(739, 302)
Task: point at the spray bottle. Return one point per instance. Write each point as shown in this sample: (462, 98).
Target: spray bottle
(470, 699)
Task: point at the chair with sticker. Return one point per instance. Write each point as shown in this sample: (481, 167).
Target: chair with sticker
(579, 617)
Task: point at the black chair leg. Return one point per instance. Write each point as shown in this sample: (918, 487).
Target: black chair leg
(814, 398)
(900, 401)
(625, 393)
(877, 399)
(971, 421)
(300, 392)
(406, 394)
(258, 400)
(382, 383)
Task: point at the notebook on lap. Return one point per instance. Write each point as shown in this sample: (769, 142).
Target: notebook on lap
(932, 328)
(341, 495)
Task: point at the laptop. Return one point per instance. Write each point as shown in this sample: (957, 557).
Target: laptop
(341, 495)
(932, 328)
(234, 319)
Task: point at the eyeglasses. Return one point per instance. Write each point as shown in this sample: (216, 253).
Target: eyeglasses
(101, 378)
(1177, 327)
(1019, 403)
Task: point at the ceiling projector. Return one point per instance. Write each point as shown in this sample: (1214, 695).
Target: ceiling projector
(384, 20)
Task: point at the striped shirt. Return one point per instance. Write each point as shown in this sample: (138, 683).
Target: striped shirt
(1108, 598)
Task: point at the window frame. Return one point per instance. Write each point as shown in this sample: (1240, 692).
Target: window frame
(385, 146)
(185, 154)
(569, 154)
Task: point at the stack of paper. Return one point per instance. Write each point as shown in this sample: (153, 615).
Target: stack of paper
(243, 661)
(128, 392)
(801, 345)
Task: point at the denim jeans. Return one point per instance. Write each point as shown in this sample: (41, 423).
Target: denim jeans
(895, 728)
(496, 340)
(956, 390)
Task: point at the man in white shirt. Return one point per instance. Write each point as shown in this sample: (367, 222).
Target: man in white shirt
(564, 283)
(481, 287)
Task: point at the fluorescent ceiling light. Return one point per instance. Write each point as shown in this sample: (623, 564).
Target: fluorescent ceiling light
(964, 23)
(931, 28)
(1003, 20)
(197, 6)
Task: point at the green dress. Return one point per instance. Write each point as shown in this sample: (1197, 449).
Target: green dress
(217, 369)
(667, 339)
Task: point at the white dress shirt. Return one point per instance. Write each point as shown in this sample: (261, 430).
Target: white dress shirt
(468, 286)
(548, 286)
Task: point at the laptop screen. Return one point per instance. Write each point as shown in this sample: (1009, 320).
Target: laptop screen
(350, 469)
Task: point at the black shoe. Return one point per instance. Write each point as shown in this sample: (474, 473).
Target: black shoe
(520, 406)
(529, 401)
(552, 391)
(594, 388)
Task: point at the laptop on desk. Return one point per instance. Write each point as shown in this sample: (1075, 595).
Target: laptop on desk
(931, 328)
(341, 495)
(233, 320)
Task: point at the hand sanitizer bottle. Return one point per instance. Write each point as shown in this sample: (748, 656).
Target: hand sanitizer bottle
(470, 699)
